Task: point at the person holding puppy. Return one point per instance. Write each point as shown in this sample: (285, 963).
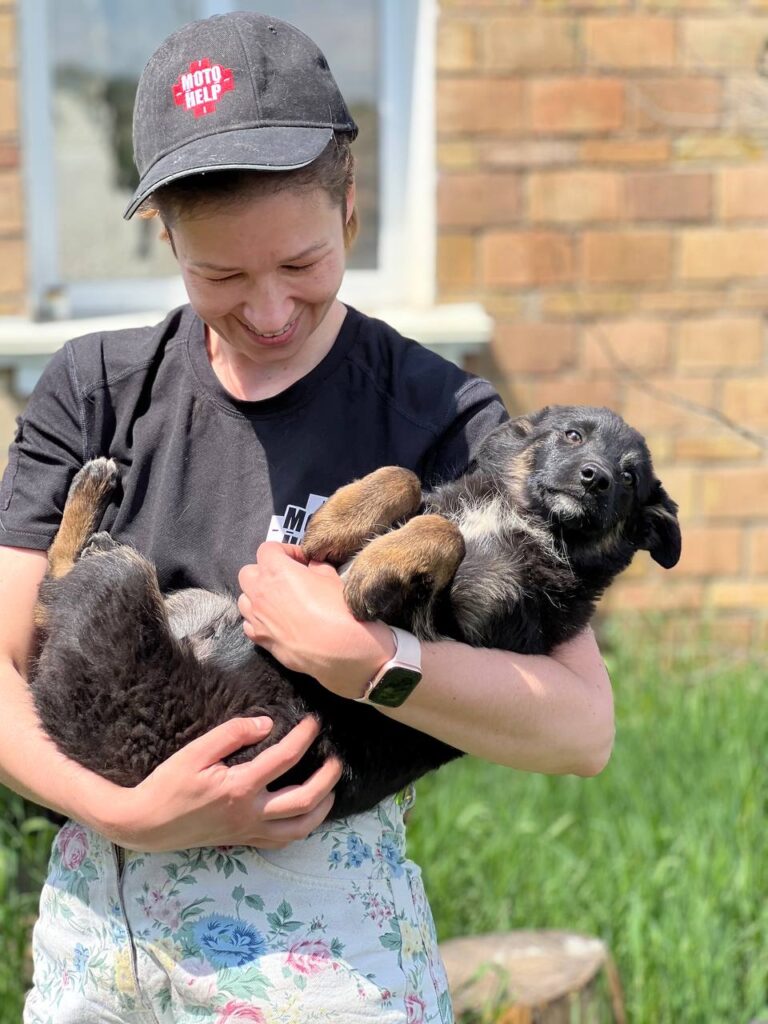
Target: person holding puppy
(202, 893)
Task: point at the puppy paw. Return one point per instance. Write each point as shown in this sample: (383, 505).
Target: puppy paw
(99, 543)
(95, 480)
(362, 510)
(402, 571)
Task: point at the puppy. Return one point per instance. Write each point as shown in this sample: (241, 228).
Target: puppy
(512, 555)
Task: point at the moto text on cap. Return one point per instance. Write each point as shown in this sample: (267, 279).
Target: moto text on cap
(235, 91)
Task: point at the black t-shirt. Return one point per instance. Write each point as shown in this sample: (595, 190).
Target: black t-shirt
(205, 477)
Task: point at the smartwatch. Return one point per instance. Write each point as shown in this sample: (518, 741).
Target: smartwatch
(398, 677)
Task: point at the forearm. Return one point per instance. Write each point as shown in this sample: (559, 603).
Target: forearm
(546, 714)
(31, 764)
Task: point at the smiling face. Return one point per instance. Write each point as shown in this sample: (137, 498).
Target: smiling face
(263, 273)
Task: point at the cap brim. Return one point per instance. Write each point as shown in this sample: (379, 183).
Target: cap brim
(273, 148)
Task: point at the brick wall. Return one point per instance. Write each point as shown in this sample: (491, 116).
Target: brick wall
(12, 252)
(603, 190)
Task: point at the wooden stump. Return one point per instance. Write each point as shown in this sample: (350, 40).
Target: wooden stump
(533, 977)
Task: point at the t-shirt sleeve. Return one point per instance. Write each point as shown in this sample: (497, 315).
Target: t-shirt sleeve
(478, 410)
(45, 454)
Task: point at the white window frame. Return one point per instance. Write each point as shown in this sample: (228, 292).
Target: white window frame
(407, 231)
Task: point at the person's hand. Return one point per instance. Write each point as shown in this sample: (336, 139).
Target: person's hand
(298, 613)
(193, 799)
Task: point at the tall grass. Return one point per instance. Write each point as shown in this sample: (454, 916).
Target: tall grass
(664, 855)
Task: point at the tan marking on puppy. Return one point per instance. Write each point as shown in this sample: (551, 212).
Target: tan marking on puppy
(518, 473)
(422, 556)
(85, 502)
(360, 511)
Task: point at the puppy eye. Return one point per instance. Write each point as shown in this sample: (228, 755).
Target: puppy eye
(628, 478)
(573, 436)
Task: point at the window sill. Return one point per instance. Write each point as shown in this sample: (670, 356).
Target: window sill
(454, 331)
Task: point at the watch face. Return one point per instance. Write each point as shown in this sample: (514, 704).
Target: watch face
(394, 686)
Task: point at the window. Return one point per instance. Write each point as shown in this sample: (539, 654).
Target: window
(80, 62)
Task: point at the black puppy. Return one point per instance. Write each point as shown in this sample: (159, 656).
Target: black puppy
(513, 555)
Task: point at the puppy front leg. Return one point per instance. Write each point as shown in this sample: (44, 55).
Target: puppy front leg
(361, 511)
(87, 498)
(396, 577)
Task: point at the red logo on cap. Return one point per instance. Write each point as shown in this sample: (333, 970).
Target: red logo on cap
(202, 86)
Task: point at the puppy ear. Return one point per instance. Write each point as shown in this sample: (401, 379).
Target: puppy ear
(524, 426)
(659, 531)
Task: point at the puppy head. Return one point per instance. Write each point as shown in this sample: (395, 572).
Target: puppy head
(589, 474)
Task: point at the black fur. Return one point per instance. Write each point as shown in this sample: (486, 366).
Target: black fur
(124, 677)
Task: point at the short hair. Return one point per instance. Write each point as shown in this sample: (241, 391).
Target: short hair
(333, 171)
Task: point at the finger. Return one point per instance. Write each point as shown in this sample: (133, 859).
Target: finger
(323, 569)
(273, 762)
(270, 552)
(225, 739)
(293, 551)
(245, 606)
(288, 830)
(295, 801)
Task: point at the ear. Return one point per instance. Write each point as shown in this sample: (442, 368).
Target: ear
(524, 426)
(659, 530)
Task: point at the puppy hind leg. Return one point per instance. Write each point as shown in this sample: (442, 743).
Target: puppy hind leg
(361, 511)
(87, 498)
(396, 577)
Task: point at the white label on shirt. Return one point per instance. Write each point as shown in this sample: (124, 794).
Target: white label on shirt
(290, 527)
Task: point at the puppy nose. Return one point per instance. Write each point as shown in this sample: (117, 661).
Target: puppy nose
(594, 478)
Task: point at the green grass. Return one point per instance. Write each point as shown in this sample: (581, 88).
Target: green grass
(664, 855)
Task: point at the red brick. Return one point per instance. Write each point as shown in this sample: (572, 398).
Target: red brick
(9, 114)
(717, 254)
(758, 552)
(12, 264)
(669, 196)
(697, 146)
(708, 446)
(723, 43)
(631, 42)
(744, 193)
(526, 258)
(8, 44)
(638, 344)
(533, 348)
(735, 494)
(626, 256)
(720, 343)
(744, 401)
(478, 106)
(531, 44)
(457, 45)
(655, 595)
(574, 196)
(625, 151)
(711, 551)
(556, 391)
(456, 264)
(11, 206)
(577, 105)
(475, 200)
(674, 103)
(738, 594)
(660, 407)
(524, 153)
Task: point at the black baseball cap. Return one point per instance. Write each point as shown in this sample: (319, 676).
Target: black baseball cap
(235, 91)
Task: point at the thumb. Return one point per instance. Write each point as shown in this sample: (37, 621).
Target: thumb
(323, 569)
(225, 739)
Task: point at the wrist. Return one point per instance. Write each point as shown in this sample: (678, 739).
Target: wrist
(382, 648)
